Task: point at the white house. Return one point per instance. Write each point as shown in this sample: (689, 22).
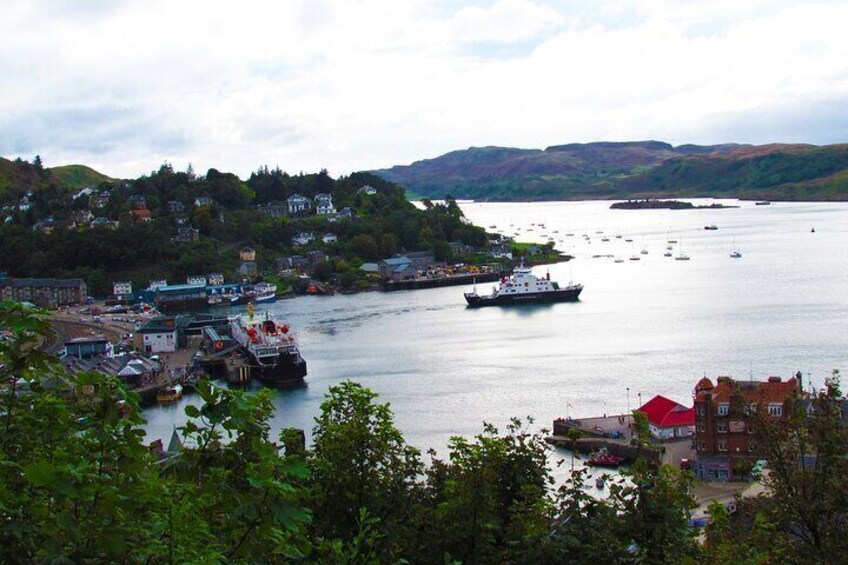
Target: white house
(324, 204)
(159, 335)
(330, 238)
(87, 191)
(303, 238)
(156, 285)
(215, 279)
(122, 288)
(196, 279)
(298, 203)
(368, 190)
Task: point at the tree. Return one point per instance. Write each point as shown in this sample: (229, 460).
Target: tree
(808, 471)
(490, 496)
(77, 484)
(360, 462)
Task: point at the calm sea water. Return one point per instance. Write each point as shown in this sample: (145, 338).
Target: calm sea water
(654, 326)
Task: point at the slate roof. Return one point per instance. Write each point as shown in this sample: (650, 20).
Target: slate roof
(53, 283)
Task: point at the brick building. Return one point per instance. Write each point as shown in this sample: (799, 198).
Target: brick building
(724, 414)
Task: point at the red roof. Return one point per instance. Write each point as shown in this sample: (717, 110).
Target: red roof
(665, 413)
(771, 391)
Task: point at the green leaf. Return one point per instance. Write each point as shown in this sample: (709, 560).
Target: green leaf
(192, 411)
(40, 473)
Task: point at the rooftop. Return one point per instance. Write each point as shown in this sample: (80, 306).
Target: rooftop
(664, 412)
(770, 391)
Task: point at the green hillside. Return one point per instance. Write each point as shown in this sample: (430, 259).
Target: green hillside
(607, 170)
(18, 176)
(77, 176)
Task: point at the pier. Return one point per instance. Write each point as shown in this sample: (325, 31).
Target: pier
(449, 280)
(614, 433)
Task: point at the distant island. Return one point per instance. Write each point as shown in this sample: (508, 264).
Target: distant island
(651, 204)
(631, 170)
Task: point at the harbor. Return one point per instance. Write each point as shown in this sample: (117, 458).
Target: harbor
(614, 434)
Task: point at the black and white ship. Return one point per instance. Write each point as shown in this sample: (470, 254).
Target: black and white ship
(273, 354)
(524, 287)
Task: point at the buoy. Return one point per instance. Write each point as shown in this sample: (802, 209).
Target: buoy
(219, 345)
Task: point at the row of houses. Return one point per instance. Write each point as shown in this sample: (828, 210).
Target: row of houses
(402, 267)
(124, 289)
(44, 293)
(297, 205)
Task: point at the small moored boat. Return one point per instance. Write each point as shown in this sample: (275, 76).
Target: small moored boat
(603, 458)
(169, 394)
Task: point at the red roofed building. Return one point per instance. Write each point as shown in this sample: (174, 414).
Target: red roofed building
(723, 413)
(668, 419)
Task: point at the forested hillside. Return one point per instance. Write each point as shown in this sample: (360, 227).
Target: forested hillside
(608, 170)
(171, 224)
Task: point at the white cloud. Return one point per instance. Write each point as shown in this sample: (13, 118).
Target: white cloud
(351, 85)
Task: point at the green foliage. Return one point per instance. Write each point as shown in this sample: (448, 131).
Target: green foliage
(360, 461)
(78, 485)
(490, 496)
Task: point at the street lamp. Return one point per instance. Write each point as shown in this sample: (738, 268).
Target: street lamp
(628, 400)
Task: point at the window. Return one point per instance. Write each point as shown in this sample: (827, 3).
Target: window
(750, 408)
(702, 446)
(701, 411)
(775, 409)
(752, 447)
(721, 427)
(722, 445)
(701, 427)
(723, 409)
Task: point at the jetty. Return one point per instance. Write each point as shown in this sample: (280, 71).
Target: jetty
(440, 281)
(613, 433)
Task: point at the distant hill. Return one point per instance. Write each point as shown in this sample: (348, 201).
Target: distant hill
(636, 169)
(77, 176)
(19, 176)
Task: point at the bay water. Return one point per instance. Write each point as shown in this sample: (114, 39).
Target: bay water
(646, 327)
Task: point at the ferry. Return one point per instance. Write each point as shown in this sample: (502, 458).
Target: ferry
(524, 287)
(271, 347)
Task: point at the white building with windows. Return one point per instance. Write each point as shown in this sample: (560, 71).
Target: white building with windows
(298, 204)
(122, 288)
(324, 204)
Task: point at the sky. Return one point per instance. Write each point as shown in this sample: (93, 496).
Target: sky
(347, 85)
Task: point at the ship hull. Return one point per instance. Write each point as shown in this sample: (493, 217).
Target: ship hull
(286, 370)
(562, 295)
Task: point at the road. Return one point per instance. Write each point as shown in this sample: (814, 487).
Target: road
(66, 327)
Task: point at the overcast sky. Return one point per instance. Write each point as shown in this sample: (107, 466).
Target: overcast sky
(351, 85)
